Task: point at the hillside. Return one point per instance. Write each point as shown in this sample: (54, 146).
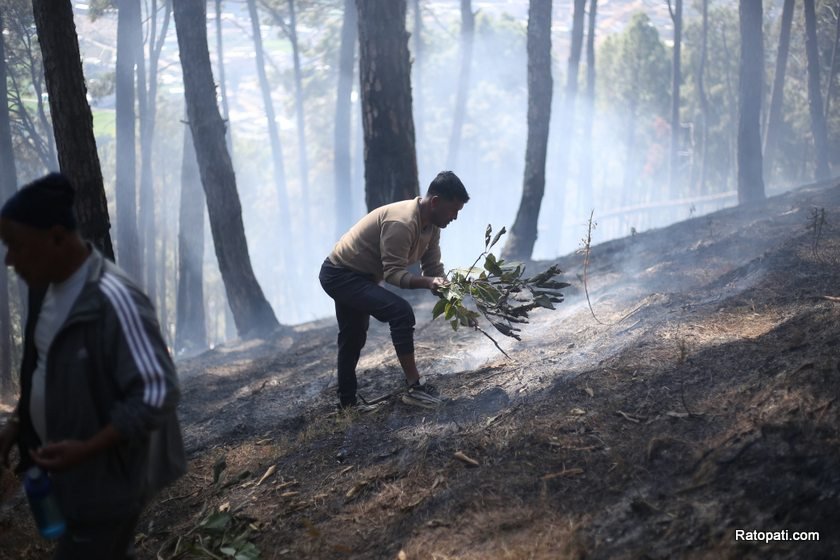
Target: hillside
(698, 399)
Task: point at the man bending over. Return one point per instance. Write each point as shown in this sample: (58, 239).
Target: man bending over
(381, 246)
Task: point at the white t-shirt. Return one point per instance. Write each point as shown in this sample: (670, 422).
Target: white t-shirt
(54, 311)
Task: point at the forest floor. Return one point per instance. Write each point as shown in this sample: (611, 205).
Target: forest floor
(702, 400)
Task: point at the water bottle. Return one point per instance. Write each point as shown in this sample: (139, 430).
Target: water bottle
(45, 510)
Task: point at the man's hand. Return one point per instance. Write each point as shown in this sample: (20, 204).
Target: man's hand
(8, 435)
(436, 283)
(69, 453)
(62, 455)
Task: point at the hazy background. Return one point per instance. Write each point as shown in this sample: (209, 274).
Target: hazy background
(492, 152)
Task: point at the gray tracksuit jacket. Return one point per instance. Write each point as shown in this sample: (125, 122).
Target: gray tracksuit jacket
(108, 364)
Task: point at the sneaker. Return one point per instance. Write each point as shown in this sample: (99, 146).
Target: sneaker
(361, 408)
(422, 395)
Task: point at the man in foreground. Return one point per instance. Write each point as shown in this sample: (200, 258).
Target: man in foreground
(380, 247)
(98, 386)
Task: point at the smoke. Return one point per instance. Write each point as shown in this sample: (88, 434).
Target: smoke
(491, 159)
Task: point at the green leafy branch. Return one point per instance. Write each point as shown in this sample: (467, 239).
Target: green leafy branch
(500, 292)
(221, 535)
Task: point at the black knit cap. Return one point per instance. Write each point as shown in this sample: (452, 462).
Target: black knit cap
(43, 203)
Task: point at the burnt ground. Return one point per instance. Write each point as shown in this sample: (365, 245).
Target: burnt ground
(698, 399)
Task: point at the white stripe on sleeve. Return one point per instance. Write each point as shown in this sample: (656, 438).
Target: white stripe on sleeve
(138, 340)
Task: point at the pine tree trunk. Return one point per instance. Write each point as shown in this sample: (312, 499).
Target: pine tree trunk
(148, 116)
(586, 194)
(8, 186)
(251, 311)
(128, 36)
(523, 233)
(190, 330)
(301, 117)
(774, 119)
(271, 121)
(676, 80)
(417, 79)
(343, 105)
(750, 86)
(566, 141)
(832, 69)
(72, 118)
(222, 83)
(460, 114)
(701, 93)
(815, 104)
(384, 74)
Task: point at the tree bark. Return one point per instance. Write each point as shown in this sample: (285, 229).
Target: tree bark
(148, 116)
(523, 233)
(343, 105)
(419, 59)
(676, 79)
(190, 330)
(222, 83)
(72, 118)
(8, 186)
(774, 119)
(460, 114)
(750, 86)
(701, 93)
(301, 117)
(586, 186)
(832, 68)
(733, 110)
(568, 120)
(815, 104)
(251, 311)
(384, 74)
(128, 36)
(271, 121)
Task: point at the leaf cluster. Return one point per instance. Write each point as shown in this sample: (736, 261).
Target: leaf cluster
(219, 535)
(500, 291)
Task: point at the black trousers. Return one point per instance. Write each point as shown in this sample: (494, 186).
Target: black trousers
(357, 298)
(112, 539)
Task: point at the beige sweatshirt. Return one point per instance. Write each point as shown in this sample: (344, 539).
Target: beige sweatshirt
(389, 239)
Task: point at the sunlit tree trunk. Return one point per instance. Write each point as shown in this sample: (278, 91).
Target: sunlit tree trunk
(190, 329)
(148, 116)
(417, 77)
(832, 69)
(271, 121)
(676, 80)
(751, 80)
(523, 234)
(566, 140)
(50, 158)
(815, 104)
(586, 185)
(460, 114)
(251, 311)
(774, 119)
(72, 118)
(301, 117)
(222, 83)
(128, 37)
(343, 106)
(384, 74)
(701, 94)
(8, 185)
(732, 96)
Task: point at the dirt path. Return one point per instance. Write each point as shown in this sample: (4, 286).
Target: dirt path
(701, 401)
